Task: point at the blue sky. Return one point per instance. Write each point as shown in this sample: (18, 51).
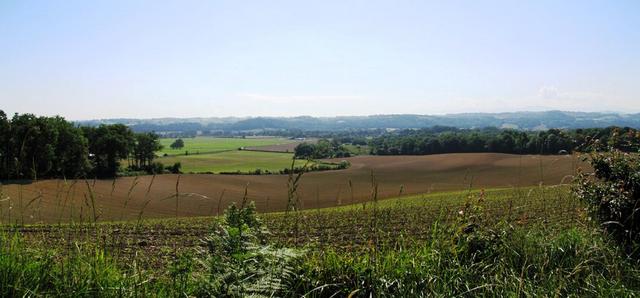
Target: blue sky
(146, 59)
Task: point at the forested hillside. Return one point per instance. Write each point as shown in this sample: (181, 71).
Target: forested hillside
(516, 120)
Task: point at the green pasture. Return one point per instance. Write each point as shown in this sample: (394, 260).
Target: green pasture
(231, 161)
(201, 145)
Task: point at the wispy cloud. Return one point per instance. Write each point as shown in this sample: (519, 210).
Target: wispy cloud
(574, 100)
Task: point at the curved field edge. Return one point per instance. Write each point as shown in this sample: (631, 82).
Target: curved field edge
(346, 225)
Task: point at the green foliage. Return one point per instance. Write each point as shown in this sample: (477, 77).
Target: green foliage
(240, 263)
(144, 150)
(34, 147)
(108, 144)
(625, 139)
(304, 150)
(553, 141)
(47, 147)
(612, 193)
(175, 168)
(322, 149)
(177, 144)
(155, 168)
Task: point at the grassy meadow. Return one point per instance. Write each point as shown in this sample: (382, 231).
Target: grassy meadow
(201, 145)
(232, 161)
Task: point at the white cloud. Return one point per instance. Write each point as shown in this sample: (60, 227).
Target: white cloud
(576, 100)
(548, 92)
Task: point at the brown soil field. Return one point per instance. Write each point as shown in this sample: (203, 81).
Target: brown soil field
(52, 201)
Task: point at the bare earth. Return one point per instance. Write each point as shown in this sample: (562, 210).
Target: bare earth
(52, 201)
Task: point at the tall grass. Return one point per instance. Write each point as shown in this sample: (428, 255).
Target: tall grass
(508, 262)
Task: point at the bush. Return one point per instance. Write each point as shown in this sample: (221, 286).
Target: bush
(175, 168)
(155, 168)
(612, 193)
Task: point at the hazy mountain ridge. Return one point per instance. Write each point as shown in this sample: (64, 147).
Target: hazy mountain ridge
(520, 120)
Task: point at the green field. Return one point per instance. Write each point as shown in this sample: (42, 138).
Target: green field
(211, 144)
(231, 161)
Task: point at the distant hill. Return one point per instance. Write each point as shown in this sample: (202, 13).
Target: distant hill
(516, 120)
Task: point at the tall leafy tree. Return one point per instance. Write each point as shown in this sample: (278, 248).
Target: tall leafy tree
(108, 144)
(304, 150)
(71, 150)
(145, 149)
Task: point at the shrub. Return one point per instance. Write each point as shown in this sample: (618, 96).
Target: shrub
(155, 168)
(175, 168)
(612, 193)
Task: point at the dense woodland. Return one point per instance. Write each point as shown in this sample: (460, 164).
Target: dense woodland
(553, 141)
(42, 147)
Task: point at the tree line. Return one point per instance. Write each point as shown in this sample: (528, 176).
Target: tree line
(46, 147)
(553, 141)
(322, 149)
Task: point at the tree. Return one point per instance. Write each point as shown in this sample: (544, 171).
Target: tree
(33, 141)
(71, 150)
(5, 145)
(145, 149)
(177, 144)
(304, 150)
(41, 147)
(108, 144)
(323, 149)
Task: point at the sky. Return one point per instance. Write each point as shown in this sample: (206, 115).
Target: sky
(149, 59)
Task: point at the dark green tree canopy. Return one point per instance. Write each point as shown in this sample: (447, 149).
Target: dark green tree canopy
(108, 144)
(177, 144)
(144, 150)
(322, 149)
(552, 141)
(34, 147)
